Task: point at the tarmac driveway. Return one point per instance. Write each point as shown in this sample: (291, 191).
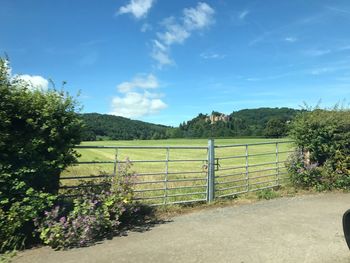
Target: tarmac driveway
(294, 229)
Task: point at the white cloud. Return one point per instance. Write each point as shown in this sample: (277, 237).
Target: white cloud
(146, 27)
(138, 8)
(143, 82)
(161, 56)
(176, 31)
(198, 17)
(243, 14)
(209, 55)
(34, 82)
(291, 39)
(134, 105)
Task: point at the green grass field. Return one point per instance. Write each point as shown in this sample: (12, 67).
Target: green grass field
(179, 173)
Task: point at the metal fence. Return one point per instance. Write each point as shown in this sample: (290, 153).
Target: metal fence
(185, 174)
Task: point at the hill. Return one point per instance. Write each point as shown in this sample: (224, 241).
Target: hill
(269, 122)
(110, 127)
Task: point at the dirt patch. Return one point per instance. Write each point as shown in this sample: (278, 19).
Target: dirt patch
(290, 229)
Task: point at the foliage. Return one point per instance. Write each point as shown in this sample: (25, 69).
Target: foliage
(103, 127)
(267, 194)
(269, 122)
(94, 214)
(325, 136)
(275, 128)
(37, 132)
(303, 175)
(251, 122)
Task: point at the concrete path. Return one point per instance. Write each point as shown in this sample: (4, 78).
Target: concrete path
(297, 229)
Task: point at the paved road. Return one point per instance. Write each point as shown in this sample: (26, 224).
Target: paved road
(297, 229)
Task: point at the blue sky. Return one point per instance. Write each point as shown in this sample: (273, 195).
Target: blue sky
(166, 61)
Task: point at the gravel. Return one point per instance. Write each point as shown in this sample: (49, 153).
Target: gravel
(294, 229)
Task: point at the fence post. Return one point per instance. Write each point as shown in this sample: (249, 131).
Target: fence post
(115, 162)
(166, 176)
(247, 167)
(277, 166)
(211, 171)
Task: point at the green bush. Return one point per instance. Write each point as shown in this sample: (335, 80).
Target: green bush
(38, 130)
(94, 214)
(325, 136)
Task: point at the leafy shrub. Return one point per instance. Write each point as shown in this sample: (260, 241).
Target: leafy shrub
(38, 130)
(94, 214)
(325, 136)
(303, 175)
(17, 213)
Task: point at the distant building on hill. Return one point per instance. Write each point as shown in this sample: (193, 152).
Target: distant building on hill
(215, 117)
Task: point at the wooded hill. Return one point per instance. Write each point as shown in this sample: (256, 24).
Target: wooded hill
(269, 122)
(110, 127)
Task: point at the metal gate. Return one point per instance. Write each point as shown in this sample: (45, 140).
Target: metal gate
(185, 174)
(241, 168)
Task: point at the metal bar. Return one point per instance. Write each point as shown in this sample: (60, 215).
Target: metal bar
(277, 166)
(149, 198)
(172, 181)
(187, 160)
(264, 182)
(231, 181)
(166, 175)
(246, 167)
(187, 180)
(186, 194)
(228, 175)
(261, 164)
(251, 144)
(187, 187)
(169, 173)
(163, 161)
(95, 162)
(286, 151)
(232, 168)
(261, 154)
(115, 162)
(147, 174)
(186, 172)
(149, 190)
(139, 147)
(211, 171)
(169, 189)
(262, 176)
(80, 186)
(232, 187)
(150, 182)
(84, 177)
(263, 170)
(231, 157)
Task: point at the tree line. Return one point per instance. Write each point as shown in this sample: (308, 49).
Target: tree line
(268, 122)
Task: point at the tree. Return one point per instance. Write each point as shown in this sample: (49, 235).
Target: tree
(38, 130)
(323, 136)
(275, 128)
